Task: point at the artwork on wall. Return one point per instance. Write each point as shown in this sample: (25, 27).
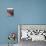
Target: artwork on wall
(10, 11)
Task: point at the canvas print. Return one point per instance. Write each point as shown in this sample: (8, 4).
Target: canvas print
(10, 11)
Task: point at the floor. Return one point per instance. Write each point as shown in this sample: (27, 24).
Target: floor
(7, 45)
(30, 43)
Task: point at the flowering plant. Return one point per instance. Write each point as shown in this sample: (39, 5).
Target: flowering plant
(12, 36)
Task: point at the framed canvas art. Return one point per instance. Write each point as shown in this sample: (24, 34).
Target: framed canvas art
(10, 11)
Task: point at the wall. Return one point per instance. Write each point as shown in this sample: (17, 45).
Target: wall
(26, 12)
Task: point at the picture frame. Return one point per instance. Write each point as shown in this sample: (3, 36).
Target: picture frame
(10, 11)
